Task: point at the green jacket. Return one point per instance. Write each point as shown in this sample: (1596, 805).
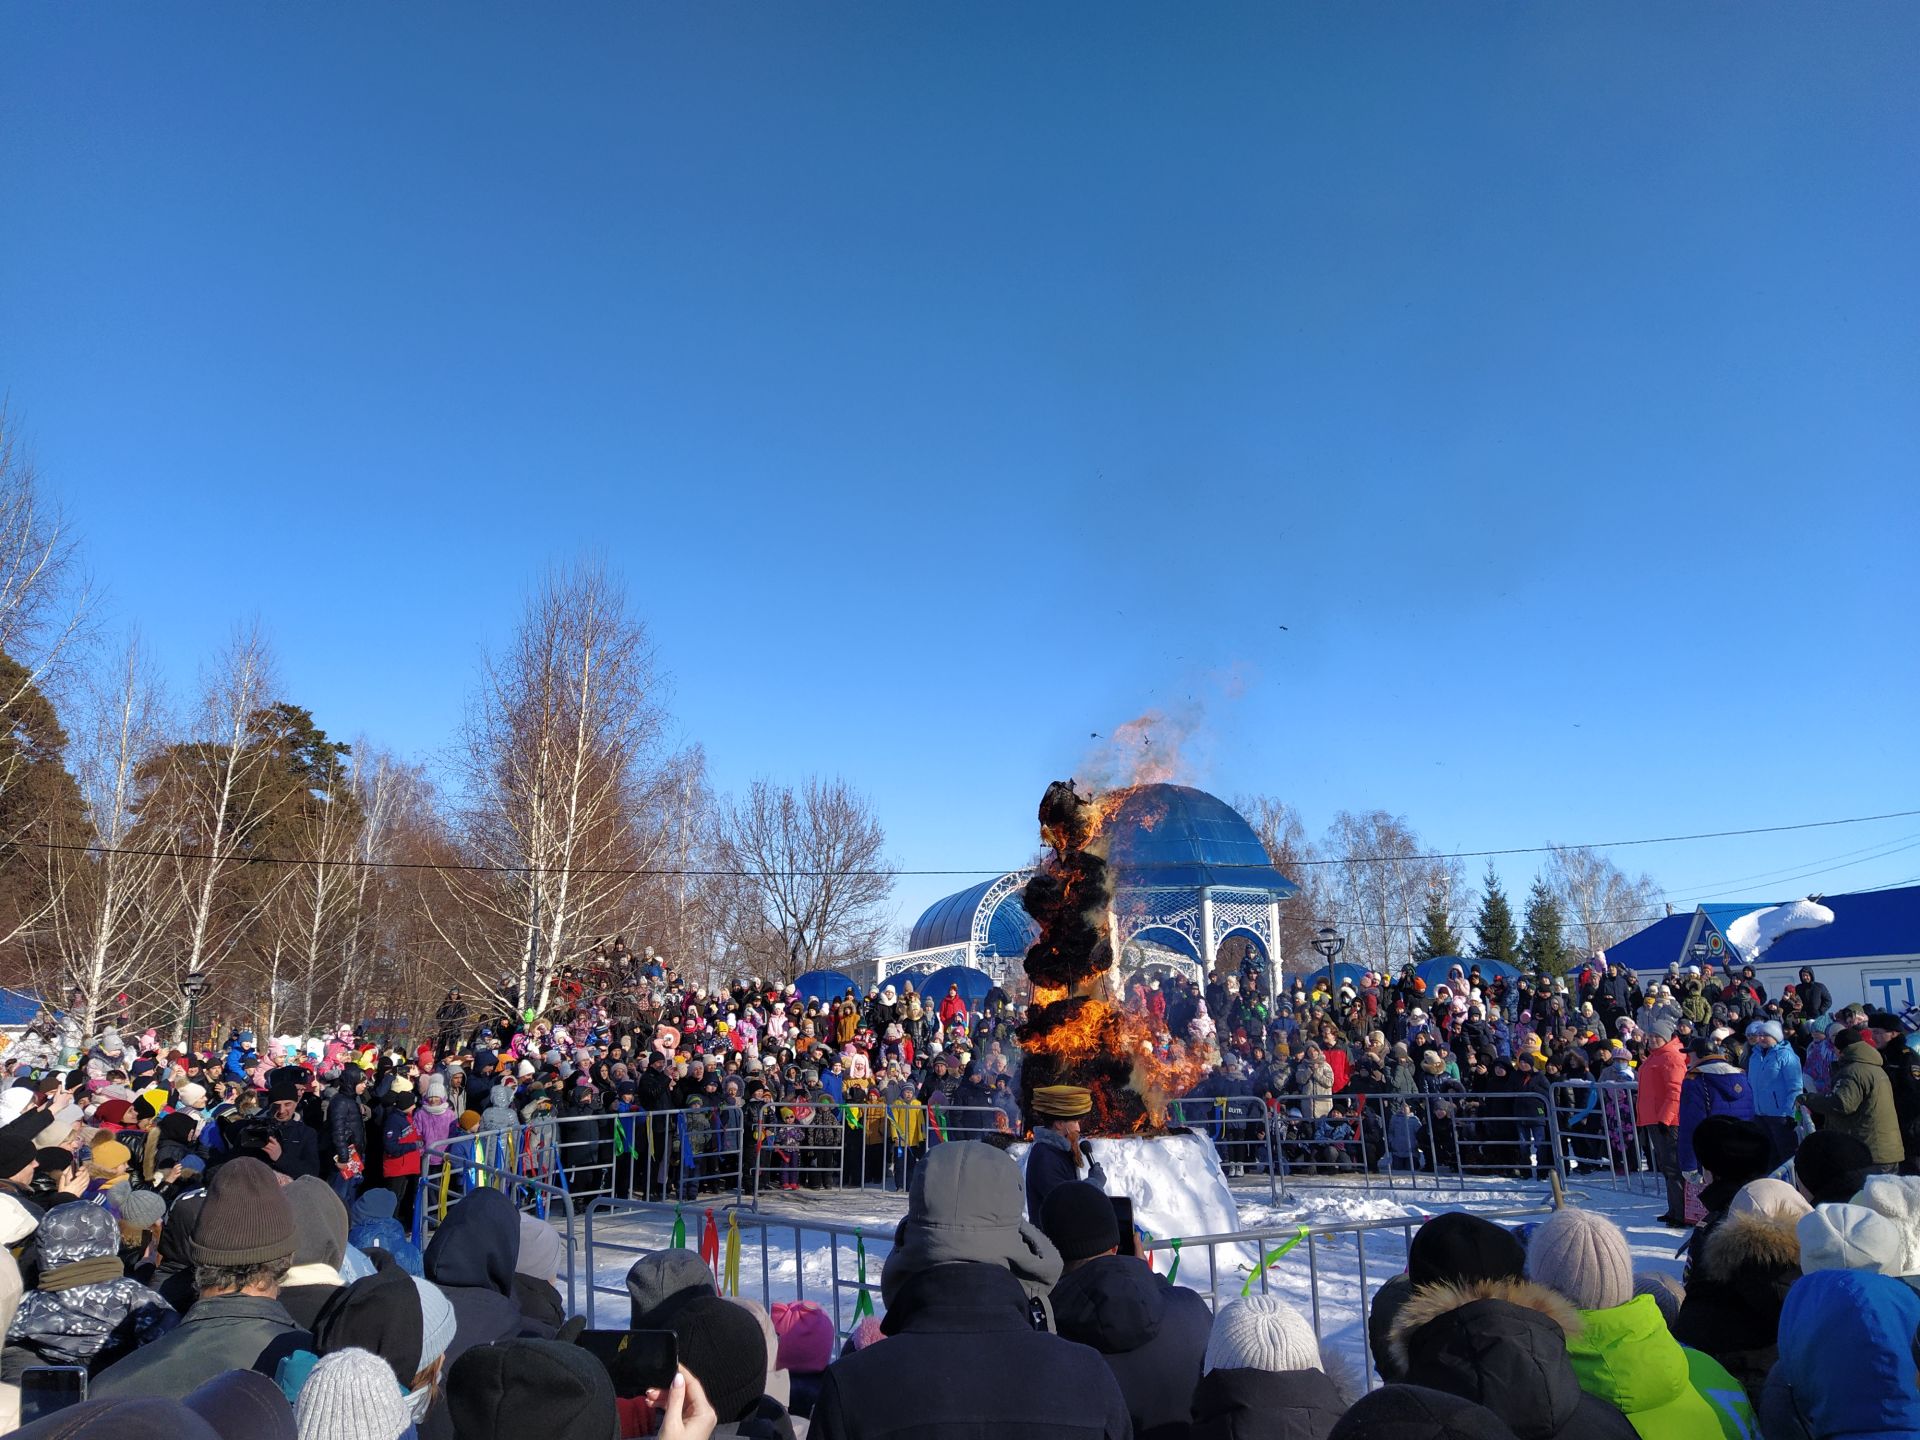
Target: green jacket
(1860, 1103)
(1628, 1356)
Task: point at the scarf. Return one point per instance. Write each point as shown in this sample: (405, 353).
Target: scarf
(96, 1270)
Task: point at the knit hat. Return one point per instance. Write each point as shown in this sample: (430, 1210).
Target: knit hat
(1079, 1219)
(1771, 1200)
(436, 1321)
(1459, 1248)
(378, 1313)
(16, 1154)
(243, 1403)
(469, 1120)
(1850, 1237)
(1261, 1332)
(720, 1343)
(16, 1221)
(193, 1095)
(141, 1208)
(1667, 1292)
(1732, 1149)
(351, 1395)
(1584, 1257)
(1831, 1167)
(110, 1158)
(246, 1219)
(541, 1250)
(436, 1087)
(1661, 1029)
(319, 1221)
(1413, 1412)
(1062, 1102)
(660, 1283)
(807, 1339)
(532, 1387)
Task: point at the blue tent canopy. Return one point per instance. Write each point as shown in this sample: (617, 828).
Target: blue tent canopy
(974, 985)
(17, 1007)
(1343, 974)
(1434, 971)
(824, 985)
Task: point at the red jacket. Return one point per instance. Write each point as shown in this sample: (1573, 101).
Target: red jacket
(1661, 1075)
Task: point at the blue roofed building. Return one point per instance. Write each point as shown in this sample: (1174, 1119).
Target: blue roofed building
(1189, 874)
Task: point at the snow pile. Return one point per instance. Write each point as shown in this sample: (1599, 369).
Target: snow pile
(1753, 933)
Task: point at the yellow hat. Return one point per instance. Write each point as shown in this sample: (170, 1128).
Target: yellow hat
(110, 1157)
(1062, 1102)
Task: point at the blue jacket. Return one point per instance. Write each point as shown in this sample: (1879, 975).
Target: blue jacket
(1775, 1075)
(1846, 1360)
(1712, 1087)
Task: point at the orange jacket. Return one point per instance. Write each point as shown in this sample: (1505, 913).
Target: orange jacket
(1661, 1075)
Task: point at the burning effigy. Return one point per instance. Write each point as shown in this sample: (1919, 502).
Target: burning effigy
(1077, 1032)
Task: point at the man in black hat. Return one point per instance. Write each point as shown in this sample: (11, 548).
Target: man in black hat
(299, 1146)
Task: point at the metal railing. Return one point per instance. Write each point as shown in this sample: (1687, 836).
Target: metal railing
(847, 1259)
(519, 1163)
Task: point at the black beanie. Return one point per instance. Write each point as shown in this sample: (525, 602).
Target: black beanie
(1460, 1248)
(1734, 1151)
(16, 1154)
(721, 1343)
(1831, 1167)
(378, 1312)
(1078, 1218)
(533, 1387)
(246, 1219)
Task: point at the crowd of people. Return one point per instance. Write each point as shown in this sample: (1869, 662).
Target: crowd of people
(227, 1241)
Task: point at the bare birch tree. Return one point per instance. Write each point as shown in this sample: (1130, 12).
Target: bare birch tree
(115, 907)
(561, 754)
(1380, 885)
(1601, 904)
(813, 860)
(1284, 835)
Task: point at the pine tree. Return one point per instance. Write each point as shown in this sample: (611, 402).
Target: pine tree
(1494, 937)
(1543, 942)
(1436, 935)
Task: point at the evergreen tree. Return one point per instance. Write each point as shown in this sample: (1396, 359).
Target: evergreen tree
(1543, 943)
(1436, 935)
(1494, 937)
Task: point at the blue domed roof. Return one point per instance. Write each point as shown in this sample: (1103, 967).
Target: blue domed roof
(1174, 835)
(950, 922)
(1161, 835)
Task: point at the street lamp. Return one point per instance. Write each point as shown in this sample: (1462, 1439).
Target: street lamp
(1329, 942)
(193, 987)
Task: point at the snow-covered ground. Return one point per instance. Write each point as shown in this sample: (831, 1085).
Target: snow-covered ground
(806, 1243)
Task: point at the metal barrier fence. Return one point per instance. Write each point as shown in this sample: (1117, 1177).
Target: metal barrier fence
(864, 1145)
(520, 1163)
(1333, 1279)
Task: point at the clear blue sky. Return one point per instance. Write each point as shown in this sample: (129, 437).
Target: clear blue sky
(954, 382)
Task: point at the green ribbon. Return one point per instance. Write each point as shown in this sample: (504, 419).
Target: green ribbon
(1174, 1269)
(679, 1241)
(863, 1306)
(1268, 1261)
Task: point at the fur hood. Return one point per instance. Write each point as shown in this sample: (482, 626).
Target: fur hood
(1743, 1242)
(1430, 1302)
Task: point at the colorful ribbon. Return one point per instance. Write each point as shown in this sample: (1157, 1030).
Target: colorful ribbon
(1268, 1261)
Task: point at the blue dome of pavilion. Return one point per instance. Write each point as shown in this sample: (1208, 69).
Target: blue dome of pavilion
(1174, 835)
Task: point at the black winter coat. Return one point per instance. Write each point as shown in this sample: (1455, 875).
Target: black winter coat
(346, 1126)
(471, 1258)
(963, 1360)
(1503, 1344)
(299, 1149)
(1266, 1405)
(1152, 1334)
(1735, 1295)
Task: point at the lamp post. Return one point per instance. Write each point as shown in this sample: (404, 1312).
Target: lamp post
(1329, 942)
(193, 987)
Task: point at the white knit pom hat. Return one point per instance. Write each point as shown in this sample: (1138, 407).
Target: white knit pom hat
(352, 1395)
(1261, 1332)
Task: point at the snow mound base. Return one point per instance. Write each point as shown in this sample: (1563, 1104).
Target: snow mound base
(1754, 933)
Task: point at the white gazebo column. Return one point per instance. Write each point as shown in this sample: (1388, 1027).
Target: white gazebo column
(1273, 951)
(1206, 931)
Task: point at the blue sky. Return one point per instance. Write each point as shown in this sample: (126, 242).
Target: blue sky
(954, 382)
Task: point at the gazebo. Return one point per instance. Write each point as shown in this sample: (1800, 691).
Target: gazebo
(1189, 875)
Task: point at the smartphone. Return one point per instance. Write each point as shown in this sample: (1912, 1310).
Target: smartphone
(47, 1388)
(637, 1360)
(1123, 1216)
